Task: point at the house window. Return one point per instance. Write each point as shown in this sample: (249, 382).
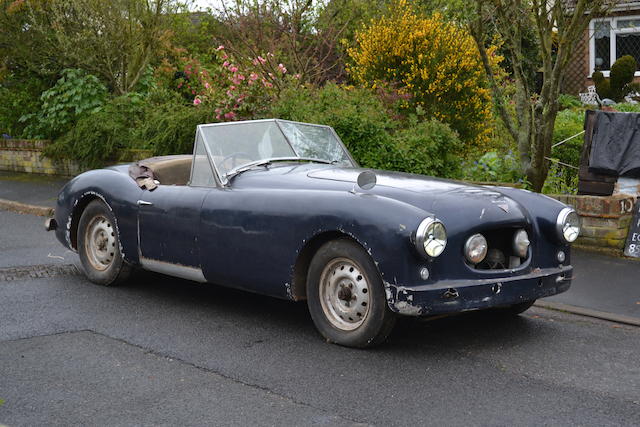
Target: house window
(612, 38)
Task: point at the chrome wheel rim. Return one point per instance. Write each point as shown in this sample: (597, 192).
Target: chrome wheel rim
(100, 243)
(344, 294)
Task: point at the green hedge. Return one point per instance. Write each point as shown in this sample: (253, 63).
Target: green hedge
(375, 139)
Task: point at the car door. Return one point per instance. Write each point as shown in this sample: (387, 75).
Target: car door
(169, 223)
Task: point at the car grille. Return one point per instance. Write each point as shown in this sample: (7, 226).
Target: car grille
(500, 254)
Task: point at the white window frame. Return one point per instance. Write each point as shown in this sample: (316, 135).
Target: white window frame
(614, 31)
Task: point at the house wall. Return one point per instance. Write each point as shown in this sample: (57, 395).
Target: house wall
(576, 77)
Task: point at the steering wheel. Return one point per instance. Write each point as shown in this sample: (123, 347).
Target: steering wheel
(233, 157)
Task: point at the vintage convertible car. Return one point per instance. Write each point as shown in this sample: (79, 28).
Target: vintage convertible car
(281, 208)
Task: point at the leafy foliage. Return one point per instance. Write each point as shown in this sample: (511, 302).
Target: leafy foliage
(622, 72)
(376, 141)
(98, 137)
(494, 167)
(433, 60)
(566, 101)
(74, 94)
(603, 87)
(19, 96)
(427, 148)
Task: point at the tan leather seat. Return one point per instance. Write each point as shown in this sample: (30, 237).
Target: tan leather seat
(170, 170)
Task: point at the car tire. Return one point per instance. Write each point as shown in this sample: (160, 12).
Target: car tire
(346, 297)
(99, 246)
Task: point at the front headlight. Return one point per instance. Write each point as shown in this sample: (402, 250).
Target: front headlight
(431, 237)
(568, 225)
(521, 243)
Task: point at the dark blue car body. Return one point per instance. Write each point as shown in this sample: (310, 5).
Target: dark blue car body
(260, 232)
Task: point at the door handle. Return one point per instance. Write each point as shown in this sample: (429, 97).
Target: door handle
(144, 203)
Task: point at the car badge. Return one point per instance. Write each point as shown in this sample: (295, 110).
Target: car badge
(504, 207)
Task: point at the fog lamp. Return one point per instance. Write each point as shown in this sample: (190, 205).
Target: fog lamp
(475, 249)
(521, 243)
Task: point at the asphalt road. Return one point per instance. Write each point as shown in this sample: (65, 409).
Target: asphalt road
(161, 351)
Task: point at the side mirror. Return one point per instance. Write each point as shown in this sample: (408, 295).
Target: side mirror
(367, 180)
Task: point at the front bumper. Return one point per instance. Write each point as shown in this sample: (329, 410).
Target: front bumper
(465, 295)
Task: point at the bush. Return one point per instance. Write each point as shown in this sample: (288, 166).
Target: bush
(434, 61)
(171, 128)
(98, 137)
(374, 140)
(494, 167)
(75, 94)
(161, 122)
(622, 72)
(355, 114)
(627, 108)
(563, 178)
(19, 96)
(569, 101)
(427, 148)
(603, 89)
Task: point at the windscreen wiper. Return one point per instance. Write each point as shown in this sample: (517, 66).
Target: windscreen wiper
(266, 162)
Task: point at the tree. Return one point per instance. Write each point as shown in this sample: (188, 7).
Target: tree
(559, 25)
(115, 40)
(304, 34)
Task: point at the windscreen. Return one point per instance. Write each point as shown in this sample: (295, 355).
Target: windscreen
(235, 144)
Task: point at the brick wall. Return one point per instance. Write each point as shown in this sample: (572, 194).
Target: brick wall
(605, 219)
(20, 155)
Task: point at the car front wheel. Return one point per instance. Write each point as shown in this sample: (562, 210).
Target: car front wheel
(99, 246)
(346, 296)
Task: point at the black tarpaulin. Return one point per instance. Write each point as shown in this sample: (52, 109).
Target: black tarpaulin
(615, 147)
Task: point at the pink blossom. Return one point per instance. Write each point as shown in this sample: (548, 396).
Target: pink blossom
(261, 59)
(218, 116)
(225, 64)
(282, 68)
(193, 92)
(207, 85)
(233, 68)
(197, 101)
(230, 115)
(253, 77)
(221, 47)
(179, 85)
(240, 77)
(218, 110)
(297, 76)
(225, 56)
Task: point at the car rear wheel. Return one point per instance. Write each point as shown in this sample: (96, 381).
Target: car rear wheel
(99, 246)
(346, 296)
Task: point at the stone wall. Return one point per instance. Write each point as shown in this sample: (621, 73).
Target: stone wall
(605, 219)
(21, 155)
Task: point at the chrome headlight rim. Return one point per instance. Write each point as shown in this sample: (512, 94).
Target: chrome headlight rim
(516, 243)
(561, 221)
(467, 248)
(423, 237)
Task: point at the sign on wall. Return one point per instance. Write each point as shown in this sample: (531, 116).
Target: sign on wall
(632, 246)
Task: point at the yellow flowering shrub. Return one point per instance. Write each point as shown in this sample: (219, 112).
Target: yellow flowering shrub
(434, 61)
